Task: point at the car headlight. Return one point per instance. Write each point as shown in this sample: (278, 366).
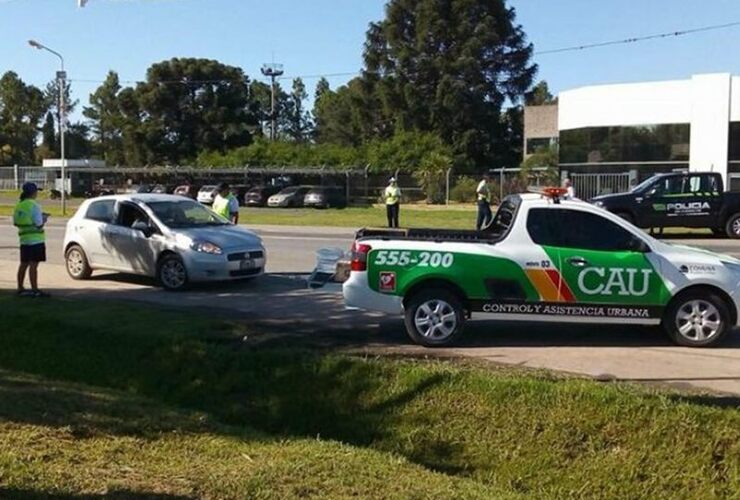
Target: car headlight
(206, 247)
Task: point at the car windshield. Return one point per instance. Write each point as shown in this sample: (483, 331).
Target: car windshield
(289, 190)
(185, 214)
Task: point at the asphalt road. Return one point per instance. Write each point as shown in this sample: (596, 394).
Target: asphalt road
(282, 302)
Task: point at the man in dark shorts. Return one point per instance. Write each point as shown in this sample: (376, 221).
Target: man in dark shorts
(30, 220)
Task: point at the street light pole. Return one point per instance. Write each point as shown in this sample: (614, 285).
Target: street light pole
(62, 85)
(273, 71)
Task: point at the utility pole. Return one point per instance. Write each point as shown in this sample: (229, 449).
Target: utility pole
(62, 83)
(273, 71)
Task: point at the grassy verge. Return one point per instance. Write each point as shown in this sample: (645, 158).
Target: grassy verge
(176, 403)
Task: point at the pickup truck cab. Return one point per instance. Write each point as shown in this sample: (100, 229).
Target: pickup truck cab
(544, 259)
(693, 199)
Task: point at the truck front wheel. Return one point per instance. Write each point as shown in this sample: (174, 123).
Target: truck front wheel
(733, 226)
(434, 317)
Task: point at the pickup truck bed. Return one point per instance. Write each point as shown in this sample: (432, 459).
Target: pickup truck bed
(435, 235)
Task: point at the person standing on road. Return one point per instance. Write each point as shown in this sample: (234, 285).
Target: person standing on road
(484, 203)
(225, 204)
(392, 197)
(30, 221)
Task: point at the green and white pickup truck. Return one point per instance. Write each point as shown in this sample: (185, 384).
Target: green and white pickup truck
(544, 259)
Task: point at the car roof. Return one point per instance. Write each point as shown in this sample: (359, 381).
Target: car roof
(142, 197)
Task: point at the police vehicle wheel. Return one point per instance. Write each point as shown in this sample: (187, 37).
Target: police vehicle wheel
(434, 318)
(697, 319)
(733, 226)
(171, 273)
(77, 265)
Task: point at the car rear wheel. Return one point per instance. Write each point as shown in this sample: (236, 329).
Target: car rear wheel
(732, 228)
(435, 317)
(171, 273)
(697, 319)
(77, 265)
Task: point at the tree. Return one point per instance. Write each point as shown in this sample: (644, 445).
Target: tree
(52, 98)
(539, 95)
(106, 120)
(447, 67)
(190, 105)
(322, 88)
(298, 120)
(48, 135)
(339, 116)
(431, 175)
(21, 109)
(78, 141)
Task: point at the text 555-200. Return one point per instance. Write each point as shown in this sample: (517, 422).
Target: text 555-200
(421, 259)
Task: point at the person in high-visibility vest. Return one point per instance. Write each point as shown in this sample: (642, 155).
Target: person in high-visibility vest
(225, 204)
(392, 196)
(30, 221)
(483, 193)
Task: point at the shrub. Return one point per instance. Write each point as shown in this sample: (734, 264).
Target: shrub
(464, 190)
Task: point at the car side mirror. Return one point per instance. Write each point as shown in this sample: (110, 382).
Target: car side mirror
(145, 228)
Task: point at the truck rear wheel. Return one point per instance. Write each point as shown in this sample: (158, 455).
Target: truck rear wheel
(733, 226)
(434, 317)
(697, 319)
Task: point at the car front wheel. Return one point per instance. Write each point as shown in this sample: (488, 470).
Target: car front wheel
(171, 273)
(697, 319)
(435, 317)
(77, 265)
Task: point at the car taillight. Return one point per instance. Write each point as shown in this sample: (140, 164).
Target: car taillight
(359, 256)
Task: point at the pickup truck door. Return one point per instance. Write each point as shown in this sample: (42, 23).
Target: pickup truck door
(692, 200)
(599, 262)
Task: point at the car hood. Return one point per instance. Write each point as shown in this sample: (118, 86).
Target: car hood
(611, 198)
(226, 237)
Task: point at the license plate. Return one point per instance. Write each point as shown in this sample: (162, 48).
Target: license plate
(246, 264)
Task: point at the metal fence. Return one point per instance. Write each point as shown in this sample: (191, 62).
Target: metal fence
(589, 185)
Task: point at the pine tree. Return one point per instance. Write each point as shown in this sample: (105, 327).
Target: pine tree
(48, 135)
(106, 120)
(298, 120)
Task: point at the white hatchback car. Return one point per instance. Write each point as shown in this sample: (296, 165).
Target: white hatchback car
(168, 237)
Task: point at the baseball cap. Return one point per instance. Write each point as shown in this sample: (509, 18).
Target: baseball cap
(29, 188)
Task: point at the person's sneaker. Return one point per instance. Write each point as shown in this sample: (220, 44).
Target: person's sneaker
(24, 293)
(39, 294)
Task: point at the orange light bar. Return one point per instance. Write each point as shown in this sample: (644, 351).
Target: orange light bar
(550, 192)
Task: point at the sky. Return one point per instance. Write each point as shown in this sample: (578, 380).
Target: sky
(325, 37)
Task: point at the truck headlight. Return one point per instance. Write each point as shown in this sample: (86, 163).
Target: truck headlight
(206, 247)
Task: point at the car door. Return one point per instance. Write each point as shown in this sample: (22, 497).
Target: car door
(601, 263)
(684, 201)
(133, 250)
(93, 232)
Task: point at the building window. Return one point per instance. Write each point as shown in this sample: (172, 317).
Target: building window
(537, 144)
(648, 143)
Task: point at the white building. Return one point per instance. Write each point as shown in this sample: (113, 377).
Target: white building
(650, 127)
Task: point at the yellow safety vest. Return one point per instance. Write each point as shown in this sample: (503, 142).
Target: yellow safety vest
(221, 205)
(392, 195)
(28, 232)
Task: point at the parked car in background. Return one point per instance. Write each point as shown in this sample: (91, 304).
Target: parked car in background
(163, 189)
(257, 196)
(326, 197)
(240, 191)
(189, 190)
(289, 197)
(206, 194)
(167, 237)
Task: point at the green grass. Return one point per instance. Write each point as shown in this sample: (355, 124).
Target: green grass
(171, 402)
(439, 217)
